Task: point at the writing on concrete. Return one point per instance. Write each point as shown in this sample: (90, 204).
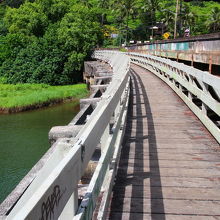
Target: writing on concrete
(47, 208)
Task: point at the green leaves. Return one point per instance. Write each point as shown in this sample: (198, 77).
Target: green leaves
(48, 41)
(28, 19)
(213, 23)
(39, 62)
(79, 30)
(55, 9)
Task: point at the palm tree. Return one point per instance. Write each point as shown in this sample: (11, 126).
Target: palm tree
(103, 3)
(125, 9)
(151, 6)
(213, 22)
(187, 17)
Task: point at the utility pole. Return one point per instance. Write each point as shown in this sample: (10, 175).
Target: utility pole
(180, 18)
(176, 15)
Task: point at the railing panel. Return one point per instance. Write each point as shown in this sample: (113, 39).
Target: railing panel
(88, 203)
(198, 89)
(48, 195)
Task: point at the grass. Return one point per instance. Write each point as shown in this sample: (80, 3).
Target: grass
(23, 95)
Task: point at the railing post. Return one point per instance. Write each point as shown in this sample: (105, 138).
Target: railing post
(204, 109)
(105, 137)
(204, 87)
(198, 89)
(117, 109)
(190, 96)
(71, 207)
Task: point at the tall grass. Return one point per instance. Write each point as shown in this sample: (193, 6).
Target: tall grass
(21, 95)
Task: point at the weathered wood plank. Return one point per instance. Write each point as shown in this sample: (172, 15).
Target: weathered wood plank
(140, 163)
(170, 164)
(172, 172)
(143, 216)
(182, 193)
(207, 182)
(166, 156)
(171, 206)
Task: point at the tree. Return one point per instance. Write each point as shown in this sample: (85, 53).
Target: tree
(56, 55)
(28, 19)
(10, 45)
(168, 20)
(213, 22)
(3, 29)
(55, 9)
(46, 41)
(187, 18)
(79, 32)
(13, 3)
(150, 7)
(125, 9)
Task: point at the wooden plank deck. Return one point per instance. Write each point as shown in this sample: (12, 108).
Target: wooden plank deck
(170, 164)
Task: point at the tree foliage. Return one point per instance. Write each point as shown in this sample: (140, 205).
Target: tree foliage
(213, 23)
(46, 41)
(196, 15)
(29, 19)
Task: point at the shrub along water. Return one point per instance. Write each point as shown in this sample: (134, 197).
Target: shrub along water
(46, 41)
(20, 97)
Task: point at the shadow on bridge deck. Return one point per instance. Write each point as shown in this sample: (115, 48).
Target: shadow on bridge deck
(134, 140)
(168, 159)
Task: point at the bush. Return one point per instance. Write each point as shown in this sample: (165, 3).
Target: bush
(48, 41)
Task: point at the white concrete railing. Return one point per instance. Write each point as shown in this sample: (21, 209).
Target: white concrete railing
(198, 89)
(53, 194)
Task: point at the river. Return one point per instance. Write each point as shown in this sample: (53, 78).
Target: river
(24, 139)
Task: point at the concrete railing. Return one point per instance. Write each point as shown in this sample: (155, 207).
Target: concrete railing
(198, 89)
(199, 51)
(53, 194)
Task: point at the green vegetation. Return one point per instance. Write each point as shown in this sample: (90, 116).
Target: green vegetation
(134, 19)
(47, 41)
(24, 96)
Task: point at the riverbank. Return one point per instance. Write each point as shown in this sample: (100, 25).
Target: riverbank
(24, 140)
(23, 97)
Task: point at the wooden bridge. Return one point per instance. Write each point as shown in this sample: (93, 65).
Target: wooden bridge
(169, 166)
(158, 127)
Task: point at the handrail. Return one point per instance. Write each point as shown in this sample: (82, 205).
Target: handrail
(53, 194)
(198, 89)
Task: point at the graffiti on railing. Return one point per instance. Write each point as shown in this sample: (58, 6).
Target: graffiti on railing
(47, 208)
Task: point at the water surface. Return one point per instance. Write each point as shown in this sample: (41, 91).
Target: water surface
(24, 139)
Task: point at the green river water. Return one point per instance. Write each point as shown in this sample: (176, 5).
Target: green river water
(24, 139)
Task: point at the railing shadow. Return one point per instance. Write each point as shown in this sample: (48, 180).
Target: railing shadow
(136, 176)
